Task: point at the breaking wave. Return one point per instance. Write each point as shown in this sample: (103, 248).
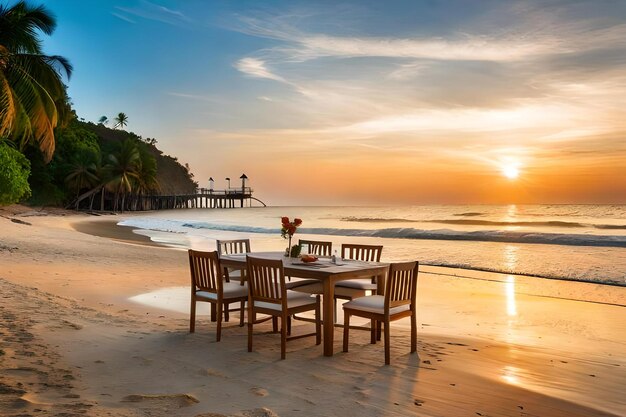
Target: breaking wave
(441, 234)
(476, 222)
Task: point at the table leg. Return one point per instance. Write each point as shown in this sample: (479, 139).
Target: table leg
(329, 316)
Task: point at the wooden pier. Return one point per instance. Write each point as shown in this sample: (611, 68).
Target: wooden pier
(203, 198)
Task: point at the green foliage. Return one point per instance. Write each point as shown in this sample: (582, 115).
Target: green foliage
(76, 145)
(33, 98)
(14, 171)
(295, 251)
(45, 190)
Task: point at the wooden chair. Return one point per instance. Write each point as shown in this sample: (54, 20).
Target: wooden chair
(208, 284)
(232, 247)
(317, 247)
(269, 295)
(398, 302)
(349, 289)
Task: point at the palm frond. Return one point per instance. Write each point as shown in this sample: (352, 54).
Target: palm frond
(19, 25)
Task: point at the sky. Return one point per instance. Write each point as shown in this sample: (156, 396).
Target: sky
(365, 102)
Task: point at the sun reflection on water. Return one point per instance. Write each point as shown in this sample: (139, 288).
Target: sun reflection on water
(509, 288)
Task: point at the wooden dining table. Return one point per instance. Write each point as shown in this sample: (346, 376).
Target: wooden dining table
(326, 272)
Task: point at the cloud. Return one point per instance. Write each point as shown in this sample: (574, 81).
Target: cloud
(195, 97)
(152, 11)
(256, 68)
(124, 18)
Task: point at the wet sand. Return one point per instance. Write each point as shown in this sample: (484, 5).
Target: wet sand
(73, 341)
(108, 228)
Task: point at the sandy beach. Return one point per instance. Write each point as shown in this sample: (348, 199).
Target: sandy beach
(94, 322)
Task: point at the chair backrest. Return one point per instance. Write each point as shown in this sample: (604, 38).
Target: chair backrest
(266, 280)
(401, 285)
(206, 272)
(230, 247)
(369, 253)
(317, 247)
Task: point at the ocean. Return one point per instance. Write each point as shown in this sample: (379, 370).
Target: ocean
(573, 242)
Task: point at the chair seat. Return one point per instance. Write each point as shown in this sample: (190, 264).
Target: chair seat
(231, 290)
(294, 299)
(234, 274)
(374, 304)
(359, 284)
(299, 282)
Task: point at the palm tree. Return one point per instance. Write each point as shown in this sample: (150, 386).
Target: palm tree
(146, 180)
(121, 120)
(81, 176)
(103, 120)
(33, 99)
(122, 169)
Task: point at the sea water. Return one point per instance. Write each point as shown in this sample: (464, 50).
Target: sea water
(575, 242)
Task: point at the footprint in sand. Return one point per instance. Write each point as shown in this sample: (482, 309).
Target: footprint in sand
(260, 392)
(212, 372)
(162, 400)
(260, 412)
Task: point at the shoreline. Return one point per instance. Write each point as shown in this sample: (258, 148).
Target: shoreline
(488, 347)
(109, 228)
(99, 227)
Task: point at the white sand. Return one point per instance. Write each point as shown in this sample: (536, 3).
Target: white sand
(73, 342)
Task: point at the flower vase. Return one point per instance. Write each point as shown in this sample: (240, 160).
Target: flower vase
(288, 252)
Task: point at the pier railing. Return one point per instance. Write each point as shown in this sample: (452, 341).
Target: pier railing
(202, 198)
(229, 191)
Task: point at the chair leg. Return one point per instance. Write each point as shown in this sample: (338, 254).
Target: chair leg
(318, 321)
(413, 332)
(379, 330)
(251, 318)
(288, 325)
(227, 313)
(220, 306)
(283, 336)
(373, 331)
(387, 342)
(192, 316)
(242, 313)
(275, 324)
(346, 330)
(213, 312)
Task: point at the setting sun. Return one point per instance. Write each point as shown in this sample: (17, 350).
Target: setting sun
(510, 171)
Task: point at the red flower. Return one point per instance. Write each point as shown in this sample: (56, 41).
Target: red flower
(289, 228)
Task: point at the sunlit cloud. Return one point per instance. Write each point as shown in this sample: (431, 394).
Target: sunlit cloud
(461, 120)
(465, 49)
(254, 67)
